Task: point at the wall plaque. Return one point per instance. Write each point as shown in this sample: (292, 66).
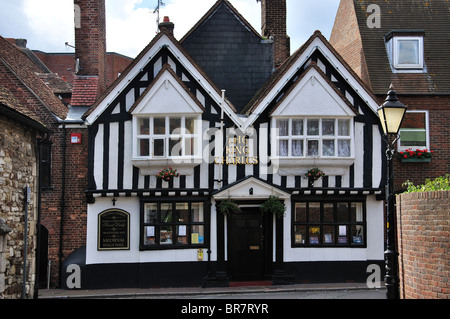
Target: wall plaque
(114, 230)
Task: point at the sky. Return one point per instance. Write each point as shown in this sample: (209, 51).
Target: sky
(131, 24)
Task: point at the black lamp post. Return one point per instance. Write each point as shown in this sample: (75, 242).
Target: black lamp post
(391, 115)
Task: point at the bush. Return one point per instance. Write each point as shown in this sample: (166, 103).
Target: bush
(439, 184)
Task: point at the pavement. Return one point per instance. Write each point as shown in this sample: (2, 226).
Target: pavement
(137, 293)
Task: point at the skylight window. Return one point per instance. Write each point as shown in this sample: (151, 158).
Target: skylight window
(408, 52)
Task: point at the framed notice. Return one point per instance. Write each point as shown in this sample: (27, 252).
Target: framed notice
(113, 230)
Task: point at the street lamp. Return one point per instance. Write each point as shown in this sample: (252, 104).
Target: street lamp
(391, 115)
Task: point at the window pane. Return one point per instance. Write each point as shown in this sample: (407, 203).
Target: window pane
(408, 51)
(357, 234)
(144, 126)
(175, 147)
(300, 212)
(328, 148)
(344, 127)
(190, 125)
(182, 234)
(297, 127)
(413, 138)
(356, 214)
(159, 126)
(198, 234)
(344, 148)
(313, 127)
(283, 148)
(297, 148)
(343, 233)
(182, 210)
(283, 127)
(314, 212)
(166, 213)
(158, 147)
(197, 212)
(149, 235)
(414, 121)
(144, 148)
(189, 146)
(300, 234)
(314, 234)
(150, 213)
(342, 212)
(175, 126)
(313, 148)
(328, 213)
(165, 235)
(328, 234)
(328, 127)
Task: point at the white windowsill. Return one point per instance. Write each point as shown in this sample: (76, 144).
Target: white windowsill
(299, 166)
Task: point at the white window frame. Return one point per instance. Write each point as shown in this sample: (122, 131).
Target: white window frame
(427, 130)
(151, 164)
(396, 53)
(306, 138)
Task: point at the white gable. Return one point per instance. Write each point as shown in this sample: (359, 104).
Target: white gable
(313, 96)
(166, 96)
(251, 188)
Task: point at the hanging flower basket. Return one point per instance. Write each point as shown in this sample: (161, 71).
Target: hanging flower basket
(229, 206)
(167, 174)
(313, 175)
(275, 206)
(417, 156)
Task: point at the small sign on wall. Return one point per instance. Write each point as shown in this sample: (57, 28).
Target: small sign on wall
(114, 230)
(75, 138)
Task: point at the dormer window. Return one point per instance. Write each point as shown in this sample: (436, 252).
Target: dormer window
(405, 50)
(408, 52)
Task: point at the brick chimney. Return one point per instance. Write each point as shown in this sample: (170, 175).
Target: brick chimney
(90, 40)
(273, 24)
(167, 25)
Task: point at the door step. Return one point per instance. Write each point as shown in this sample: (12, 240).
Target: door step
(250, 283)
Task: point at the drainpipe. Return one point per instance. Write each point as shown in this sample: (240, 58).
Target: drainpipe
(63, 202)
(39, 212)
(27, 194)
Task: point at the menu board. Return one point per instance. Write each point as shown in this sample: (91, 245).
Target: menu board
(114, 230)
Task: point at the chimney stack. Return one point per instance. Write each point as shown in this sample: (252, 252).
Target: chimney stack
(167, 25)
(273, 24)
(90, 40)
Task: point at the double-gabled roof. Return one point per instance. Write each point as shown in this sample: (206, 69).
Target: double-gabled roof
(268, 91)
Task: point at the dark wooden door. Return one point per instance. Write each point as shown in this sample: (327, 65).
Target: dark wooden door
(246, 251)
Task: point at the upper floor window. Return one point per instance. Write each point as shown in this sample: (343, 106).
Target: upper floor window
(408, 52)
(414, 132)
(164, 137)
(314, 137)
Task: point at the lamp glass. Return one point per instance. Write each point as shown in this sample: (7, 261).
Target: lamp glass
(391, 118)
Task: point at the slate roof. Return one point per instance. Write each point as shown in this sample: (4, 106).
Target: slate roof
(231, 52)
(432, 17)
(26, 71)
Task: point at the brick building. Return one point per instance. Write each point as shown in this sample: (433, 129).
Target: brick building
(404, 43)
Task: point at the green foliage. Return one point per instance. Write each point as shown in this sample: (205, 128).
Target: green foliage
(275, 206)
(229, 206)
(439, 184)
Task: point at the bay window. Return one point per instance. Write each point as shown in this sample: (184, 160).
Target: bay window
(313, 138)
(167, 137)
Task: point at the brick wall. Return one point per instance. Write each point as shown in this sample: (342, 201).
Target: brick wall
(18, 169)
(439, 122)
(273, 24)
(423, 244)
(346, 39)
(90, 39)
